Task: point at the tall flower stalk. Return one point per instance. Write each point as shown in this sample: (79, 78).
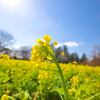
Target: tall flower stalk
(66, 95)
(45, 50)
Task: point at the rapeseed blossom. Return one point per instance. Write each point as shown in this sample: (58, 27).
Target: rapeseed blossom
(63, 53)
(45, 44)
(42, 49)
(74, 79)
(36, 47)
(72, 91)
(47, 38)
(4, 97)
(55, 43)
(45, 50)
(5, 57)
(7, 92)
(1, 55)
(39, 41)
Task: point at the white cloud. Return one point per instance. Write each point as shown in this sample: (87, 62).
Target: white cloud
(58, 45)
(71, 44)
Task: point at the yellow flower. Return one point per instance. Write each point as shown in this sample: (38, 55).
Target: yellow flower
(33, 58)
(36, 47)
(1, 55)
(75, 63)
(55, 43)
(41, 57)
(6, 57)
(42, 94)
(87, 79)
(13, 69)
(75, 79)
(4, 97)
(46, 44)
(7, 92)
(49, 88)
(63, 53)
(39, 41)
(34, 53)
(49, 57)
(39, 76)
(4, 81)
(71, 91)
(7, 71)
(19, 75)
(47, 38)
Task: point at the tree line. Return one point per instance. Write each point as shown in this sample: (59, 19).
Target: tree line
(24, 52)
(69, 57)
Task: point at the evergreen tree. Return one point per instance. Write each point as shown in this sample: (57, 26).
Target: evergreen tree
(72, 58)
(84, 57)
(76, 58)
(65, 58)
(65, 48)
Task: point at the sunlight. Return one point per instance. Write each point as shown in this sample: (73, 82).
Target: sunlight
(10, 3)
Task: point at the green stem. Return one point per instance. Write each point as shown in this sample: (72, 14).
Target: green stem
(66, 94)
(59, 93)
(92, 97)
(59, 56)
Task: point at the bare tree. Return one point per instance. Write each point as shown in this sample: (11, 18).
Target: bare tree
(15, 54)
(25, 52)
(98, 51)
(6, 39)
(95, 54)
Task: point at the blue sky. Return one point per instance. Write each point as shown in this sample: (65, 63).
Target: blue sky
(75, 23)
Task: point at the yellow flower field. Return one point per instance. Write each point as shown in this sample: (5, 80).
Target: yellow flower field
(25, 80)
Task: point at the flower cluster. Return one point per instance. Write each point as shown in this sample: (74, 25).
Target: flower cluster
(5, 57)
(43, 49)
(74, 79)
(72, 91)
(4, 97)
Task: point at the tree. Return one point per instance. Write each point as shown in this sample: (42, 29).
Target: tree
(84, 57)
(65, 58)
(76, 58)
(65, 48)
(58, 51)
(15, 53)
(25, 52)
(95, 54)
(6, 39)
(72, 58)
